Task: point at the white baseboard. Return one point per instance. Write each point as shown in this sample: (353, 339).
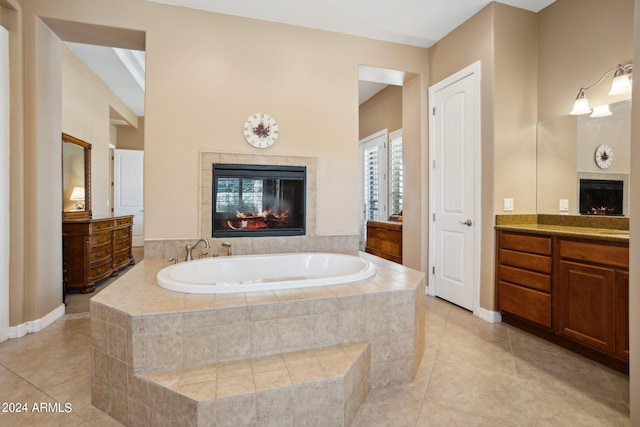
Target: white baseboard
(36, 325)
(489, 316)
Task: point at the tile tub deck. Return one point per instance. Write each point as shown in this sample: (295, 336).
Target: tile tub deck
(139, 328)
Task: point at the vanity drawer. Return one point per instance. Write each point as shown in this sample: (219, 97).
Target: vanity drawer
(528, 304)
(530, 279)
(528, 261)
(615, 256)
(524, 243)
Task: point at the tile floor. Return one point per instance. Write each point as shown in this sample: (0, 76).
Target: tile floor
(473, 373)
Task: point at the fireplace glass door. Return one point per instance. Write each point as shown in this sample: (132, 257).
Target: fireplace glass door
(258, 200)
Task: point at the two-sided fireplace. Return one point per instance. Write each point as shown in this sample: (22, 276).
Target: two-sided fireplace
(258, 200)
(601, 197)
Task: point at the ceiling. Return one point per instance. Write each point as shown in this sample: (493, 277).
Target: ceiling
(418, 23)
(413, 22)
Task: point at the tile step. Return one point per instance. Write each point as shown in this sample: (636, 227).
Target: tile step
(322, 386)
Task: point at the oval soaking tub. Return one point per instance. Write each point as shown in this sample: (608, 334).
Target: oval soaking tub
(249, 273)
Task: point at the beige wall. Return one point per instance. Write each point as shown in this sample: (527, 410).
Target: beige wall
(634, 261)
(515, 108)
(382, 111)
(503, 39)
(197, 99)
(130, 138)
(414, 156)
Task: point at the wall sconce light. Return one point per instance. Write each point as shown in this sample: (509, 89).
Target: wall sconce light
(621, 84)
(77, 195)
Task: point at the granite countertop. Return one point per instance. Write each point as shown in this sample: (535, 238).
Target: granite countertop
(606, 229)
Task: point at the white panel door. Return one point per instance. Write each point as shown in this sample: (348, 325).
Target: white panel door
(455, 121)
(128, 197)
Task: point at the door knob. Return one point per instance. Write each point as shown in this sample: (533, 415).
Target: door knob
(468, 223)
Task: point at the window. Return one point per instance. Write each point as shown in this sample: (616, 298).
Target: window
(381, 177)
(396, 173)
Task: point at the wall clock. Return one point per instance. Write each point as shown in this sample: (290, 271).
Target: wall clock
(261, 130)
(604, 156)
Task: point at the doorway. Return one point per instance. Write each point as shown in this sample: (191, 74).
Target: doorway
(454, 177)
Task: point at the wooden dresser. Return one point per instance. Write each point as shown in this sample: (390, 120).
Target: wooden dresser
(94, 249)
(384, 239)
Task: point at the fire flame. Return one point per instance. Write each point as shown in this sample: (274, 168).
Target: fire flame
(258, 220)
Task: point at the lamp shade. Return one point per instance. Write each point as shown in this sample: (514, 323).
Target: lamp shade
(77, 194)
(601, 111)
(581, 106)
(621, 84)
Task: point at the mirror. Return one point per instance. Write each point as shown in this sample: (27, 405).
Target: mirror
(566, 154)
(76, 178)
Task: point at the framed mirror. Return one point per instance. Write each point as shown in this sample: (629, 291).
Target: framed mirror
(76, 178)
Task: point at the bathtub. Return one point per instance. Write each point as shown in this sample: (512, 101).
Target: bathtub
(249, 273)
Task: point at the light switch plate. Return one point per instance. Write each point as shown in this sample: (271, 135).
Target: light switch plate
(564, 205)
(508, 205)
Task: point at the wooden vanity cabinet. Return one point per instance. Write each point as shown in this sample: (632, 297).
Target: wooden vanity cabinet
(94, 249)
(572, 291)
(592, 295)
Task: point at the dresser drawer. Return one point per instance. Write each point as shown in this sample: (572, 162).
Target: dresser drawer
(124, 221)
(524, 243)
(527, 261)
(101, 254)
(122, 233)
(102, 225)
(98, 239)
(100, 271)
(121, 245)
(528, 304)
(530, 279)
(599, 253)
(121, 259)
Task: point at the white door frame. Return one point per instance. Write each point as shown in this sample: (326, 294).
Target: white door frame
(473, 69)
(4, 185)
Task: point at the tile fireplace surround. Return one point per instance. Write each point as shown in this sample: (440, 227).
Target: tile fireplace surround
(311, 242)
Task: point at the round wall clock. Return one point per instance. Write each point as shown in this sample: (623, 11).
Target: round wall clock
(604, 156)
(261, 130)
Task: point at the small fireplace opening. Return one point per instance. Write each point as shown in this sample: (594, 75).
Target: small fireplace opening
(258, 200)
(601, 197)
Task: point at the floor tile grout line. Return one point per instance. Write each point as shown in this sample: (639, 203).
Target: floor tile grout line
(435, 360)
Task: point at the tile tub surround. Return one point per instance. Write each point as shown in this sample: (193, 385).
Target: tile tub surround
(139, 328)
